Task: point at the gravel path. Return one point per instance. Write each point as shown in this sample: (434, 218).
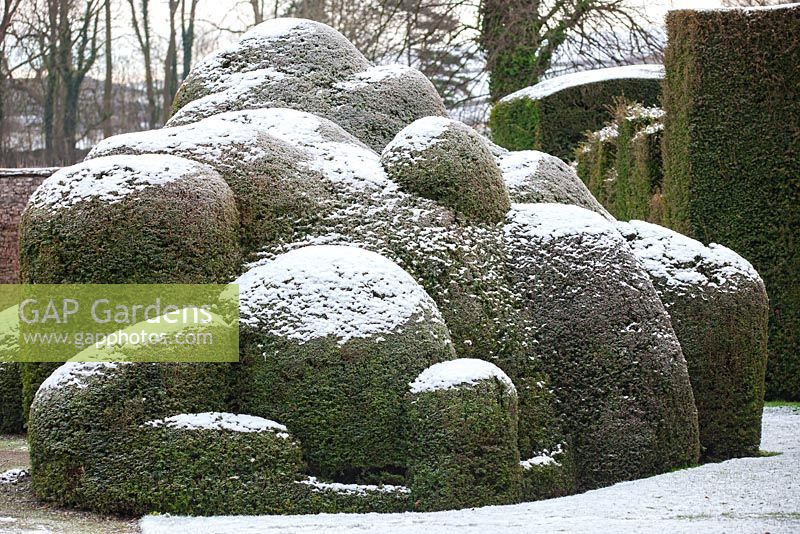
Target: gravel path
(751, 495)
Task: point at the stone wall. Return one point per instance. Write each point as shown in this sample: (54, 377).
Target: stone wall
(16, 187)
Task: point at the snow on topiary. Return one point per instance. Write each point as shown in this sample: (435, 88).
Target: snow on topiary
(308, 65)
(537, 178)
(447, 161)
(719, 309)
(130, 219)
(86, 444)
(606, 342)
(463, 436)
(351, 295)
(276, 193)
(331, 336)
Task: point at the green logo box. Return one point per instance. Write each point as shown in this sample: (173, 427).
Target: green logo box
(120, 322)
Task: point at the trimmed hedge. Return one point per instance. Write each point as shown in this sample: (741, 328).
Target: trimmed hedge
(339, 388)
(10, 399)
(447, 161)
(719, 310)
(732, 154)
(11, 413)
(625, 416)
(84, 425)
(463, 437)
(621, 163)
(556, 123)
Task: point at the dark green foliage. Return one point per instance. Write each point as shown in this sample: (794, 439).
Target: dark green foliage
(32, 374)
(275, 196)
(81, 438)
(184, 232)
(557, 123)
(208, 472)
(344, 402)
(10, 399)
(724, 339)
(464, 447)
(732, 154)
(456, 169)
(621, 164)
(624, 417)
(719, 309)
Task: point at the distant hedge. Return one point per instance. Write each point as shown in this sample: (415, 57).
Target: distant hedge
(621, 164)
(732, 154)
(556, 123)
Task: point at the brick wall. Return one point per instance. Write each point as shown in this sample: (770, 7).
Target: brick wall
(16, 187)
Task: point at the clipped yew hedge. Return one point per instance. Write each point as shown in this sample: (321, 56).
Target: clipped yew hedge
(621, 164)
(556, 123)
(732, 154)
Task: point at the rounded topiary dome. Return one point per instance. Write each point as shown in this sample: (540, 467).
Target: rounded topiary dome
(600, 331)
(131, 219)
(446, 161)
(719, 309)
(534, 177)
(279, 60)
(464, 436)
(277, 194)
(331, 337)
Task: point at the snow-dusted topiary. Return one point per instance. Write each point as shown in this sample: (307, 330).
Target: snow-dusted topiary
(376, 104)
(283, 60)
(606, 342)
(86, 442)
(463, 436)
(331, 337)
(130, 219)
(368, 276)
(307, 65)
(276, 193)
(446, 161)
(719, 309)
(534, 177)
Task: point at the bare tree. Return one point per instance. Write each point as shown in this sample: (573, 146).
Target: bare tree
(10, 8)
(170, 64)
(141, 27)
(108, 85)
(188, 17)
(521, 37)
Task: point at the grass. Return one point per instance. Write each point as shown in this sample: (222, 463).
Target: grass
(782, 404)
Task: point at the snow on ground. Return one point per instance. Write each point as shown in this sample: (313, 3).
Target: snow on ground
(553, 85)
(748, 495)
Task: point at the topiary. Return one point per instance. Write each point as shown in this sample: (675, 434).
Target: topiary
(621, 163)
(535, 177)
(730, 166)
(84, 429)
(616, 367)
(553, 115)
(130, 219)
(309, 66)
(276, 194)
(331, 337)
(719, 309)
(11, 413)
(464, 436)
(446, 161)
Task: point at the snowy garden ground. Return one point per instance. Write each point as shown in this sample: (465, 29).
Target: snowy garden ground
(749, 495)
